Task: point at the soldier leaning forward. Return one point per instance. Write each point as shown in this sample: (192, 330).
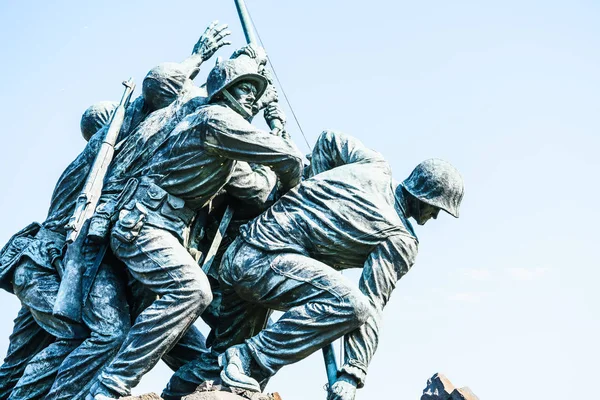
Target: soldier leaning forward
(350, 214)
(40, 342)
(251, 189)
(184, 174)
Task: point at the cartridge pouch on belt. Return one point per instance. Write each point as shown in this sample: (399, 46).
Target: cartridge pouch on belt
(152, 205)
(106, 212)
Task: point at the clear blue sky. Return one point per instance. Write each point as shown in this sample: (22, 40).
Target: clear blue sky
(504, 299)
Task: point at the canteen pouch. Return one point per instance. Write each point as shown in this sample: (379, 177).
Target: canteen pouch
(101, 221)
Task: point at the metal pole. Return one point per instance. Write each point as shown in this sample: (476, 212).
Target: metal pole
(246, 22)
(330, 364)
(275, 125)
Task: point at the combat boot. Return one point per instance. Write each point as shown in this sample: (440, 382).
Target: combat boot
(99, 392)
(237, 366)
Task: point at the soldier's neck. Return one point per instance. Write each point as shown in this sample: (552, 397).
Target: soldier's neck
(401, 203)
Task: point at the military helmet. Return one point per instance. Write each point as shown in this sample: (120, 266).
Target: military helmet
(163, 84)
(95, 117)
(437, 183)
(232, 71)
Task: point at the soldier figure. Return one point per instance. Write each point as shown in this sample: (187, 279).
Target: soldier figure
(349, 214)
(185, 172)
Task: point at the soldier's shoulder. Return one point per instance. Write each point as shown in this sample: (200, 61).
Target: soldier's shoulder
(407, 238)
(222, 117)
(215, 108)
(202, 112)
(409, 246)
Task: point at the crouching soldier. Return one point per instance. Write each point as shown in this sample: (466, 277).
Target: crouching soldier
(349, 214)
(184, 173)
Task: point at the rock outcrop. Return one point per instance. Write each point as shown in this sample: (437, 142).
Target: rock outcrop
(440, 388)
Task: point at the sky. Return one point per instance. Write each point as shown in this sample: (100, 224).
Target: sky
(505, 299)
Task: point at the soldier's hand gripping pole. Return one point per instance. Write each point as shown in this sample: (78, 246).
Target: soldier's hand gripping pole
(69, 299)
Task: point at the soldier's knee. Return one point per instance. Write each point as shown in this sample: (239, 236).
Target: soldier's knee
(199, 294)
(203, 300)
(362, 309)
(113, 339)
(109, 338)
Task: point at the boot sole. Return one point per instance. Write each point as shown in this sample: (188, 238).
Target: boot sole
(251, 385)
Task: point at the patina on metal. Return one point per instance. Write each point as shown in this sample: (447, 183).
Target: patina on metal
(126, 291)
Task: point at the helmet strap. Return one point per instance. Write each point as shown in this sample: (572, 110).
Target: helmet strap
(236, 105)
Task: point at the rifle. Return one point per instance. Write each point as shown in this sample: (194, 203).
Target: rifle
(69, 299)
(328, 351)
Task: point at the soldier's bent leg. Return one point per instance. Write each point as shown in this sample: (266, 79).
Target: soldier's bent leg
(157, 259)
(26, 340)
(320, 304)
(238, 320)
(41, 371)
(106, 313)
(188, 348)
(37, 286)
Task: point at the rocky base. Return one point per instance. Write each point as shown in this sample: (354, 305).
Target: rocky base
(440, 388)
(149, 396)
(212, 395)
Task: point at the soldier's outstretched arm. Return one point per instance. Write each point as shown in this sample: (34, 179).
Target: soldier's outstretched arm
(334, 149)
(211, 40)
(230, 136)
(387, 263)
